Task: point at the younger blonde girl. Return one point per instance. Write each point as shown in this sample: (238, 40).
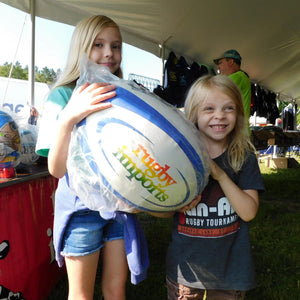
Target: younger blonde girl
(210, 253)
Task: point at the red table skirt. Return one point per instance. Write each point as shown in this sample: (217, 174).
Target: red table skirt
(27, 264)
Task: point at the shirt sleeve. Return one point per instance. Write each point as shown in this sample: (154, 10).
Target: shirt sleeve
(55, 103)
(250, 177)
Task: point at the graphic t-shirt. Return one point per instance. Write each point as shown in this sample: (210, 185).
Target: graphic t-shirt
(210, 246)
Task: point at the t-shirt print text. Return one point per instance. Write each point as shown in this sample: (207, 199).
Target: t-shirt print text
(209, 221)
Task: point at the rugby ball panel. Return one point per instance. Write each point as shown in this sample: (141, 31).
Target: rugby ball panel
(140, 153)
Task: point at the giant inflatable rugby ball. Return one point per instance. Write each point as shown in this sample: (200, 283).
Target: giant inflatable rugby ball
(9, 141)
(140, 153)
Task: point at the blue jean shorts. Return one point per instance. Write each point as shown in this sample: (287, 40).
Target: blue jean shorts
(87, 232)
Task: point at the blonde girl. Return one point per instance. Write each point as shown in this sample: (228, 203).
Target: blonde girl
(80, 233)
(210, 253)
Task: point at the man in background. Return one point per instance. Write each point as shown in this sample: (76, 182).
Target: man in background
(229, 64)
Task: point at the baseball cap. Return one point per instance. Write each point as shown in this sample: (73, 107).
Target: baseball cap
(229, 54)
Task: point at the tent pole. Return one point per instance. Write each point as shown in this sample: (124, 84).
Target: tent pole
(163, 63)
(31, 67)
(163, 49)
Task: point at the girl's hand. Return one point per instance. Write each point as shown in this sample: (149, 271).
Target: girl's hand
(87, 99)
(244, 202)
(193, 204)
(215, 171)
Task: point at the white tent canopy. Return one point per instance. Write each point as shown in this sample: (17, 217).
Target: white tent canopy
(266, 33)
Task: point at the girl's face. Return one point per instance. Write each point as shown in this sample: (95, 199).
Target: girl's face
(107, 49)
(217, 117)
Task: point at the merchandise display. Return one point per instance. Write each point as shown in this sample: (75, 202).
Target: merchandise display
(9, 142)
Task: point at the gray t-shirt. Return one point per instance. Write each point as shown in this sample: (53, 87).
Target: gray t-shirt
(210, 246)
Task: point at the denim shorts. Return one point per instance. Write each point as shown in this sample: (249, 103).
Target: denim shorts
(87, 232)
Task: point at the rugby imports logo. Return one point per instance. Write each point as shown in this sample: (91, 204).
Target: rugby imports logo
(154, 177)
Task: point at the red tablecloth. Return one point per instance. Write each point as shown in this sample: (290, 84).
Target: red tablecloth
(27, 263)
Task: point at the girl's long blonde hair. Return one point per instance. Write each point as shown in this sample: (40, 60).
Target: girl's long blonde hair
(239, 144)
(81, 43)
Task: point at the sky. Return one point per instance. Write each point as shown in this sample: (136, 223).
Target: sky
(52, 44)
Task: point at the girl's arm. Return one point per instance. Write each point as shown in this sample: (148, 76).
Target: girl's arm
(84, 101)
(244, 202)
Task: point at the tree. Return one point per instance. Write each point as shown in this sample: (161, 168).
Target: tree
(4, 70)
(18, 72)
(45, 75)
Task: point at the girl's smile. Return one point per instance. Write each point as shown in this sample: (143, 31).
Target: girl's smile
(217, 117)
(107, 49)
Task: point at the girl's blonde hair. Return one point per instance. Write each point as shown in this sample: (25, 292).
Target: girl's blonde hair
(239, 144)
(81, 43)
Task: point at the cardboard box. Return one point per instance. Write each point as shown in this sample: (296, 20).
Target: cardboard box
(267, 161)
(280, 163)
(271, 141)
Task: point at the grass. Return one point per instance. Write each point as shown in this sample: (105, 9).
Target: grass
(275, 236)
(158, 235)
